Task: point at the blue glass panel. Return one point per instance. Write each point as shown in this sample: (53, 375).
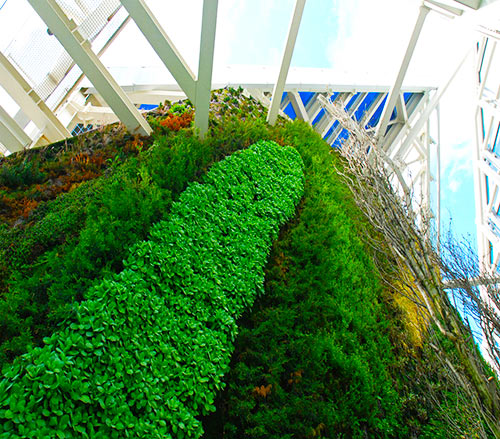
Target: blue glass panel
(318, 117)
(330, 131)
(375, 118)
(344, 134)
(495, 141)
(487, 189)
(289, 111)
(306, 96)
(394, 114)
(283, 97)
(367, 102)
(351, 102)
(147, 106)
(334, 96)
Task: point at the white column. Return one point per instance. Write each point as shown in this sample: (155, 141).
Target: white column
(205, 65)
(285, 62)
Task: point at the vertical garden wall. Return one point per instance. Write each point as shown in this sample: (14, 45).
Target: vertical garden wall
(148, 265)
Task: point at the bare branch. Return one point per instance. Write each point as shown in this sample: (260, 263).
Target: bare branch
(404, 223)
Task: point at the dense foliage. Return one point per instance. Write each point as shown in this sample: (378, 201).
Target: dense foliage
(112, 187)
(326, 352)
(147, 350)
(312, 358)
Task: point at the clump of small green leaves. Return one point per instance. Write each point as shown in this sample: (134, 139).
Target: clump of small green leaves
(148, 349)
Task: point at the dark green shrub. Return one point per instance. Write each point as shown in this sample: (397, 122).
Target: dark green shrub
(84, 234)
(312, 358)
(148, 349)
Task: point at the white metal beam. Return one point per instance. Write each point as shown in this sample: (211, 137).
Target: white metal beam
(393, 144)
(314, 107)
(285, 62)
(80, 50)
(396, 88)
(205, 65)
(298, 106)
(474, 4)
(163, 46)
(443, 9)
(417, 127)
(32, 105)
(12, 136)
(402, 114)
(119, 27)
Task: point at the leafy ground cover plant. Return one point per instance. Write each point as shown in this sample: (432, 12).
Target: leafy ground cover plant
(148, 348)
(49, 262)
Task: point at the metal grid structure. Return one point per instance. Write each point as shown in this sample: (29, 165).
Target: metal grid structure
(41, 68)
(487, 156)
(487, 151)
(365, 105)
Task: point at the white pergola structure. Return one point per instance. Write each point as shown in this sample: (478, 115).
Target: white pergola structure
(51, 87)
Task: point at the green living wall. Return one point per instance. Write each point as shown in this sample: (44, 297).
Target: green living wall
(146, 353)
(148, 349)
(92, 198)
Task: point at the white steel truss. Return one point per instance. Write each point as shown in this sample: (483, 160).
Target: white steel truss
(79, 48)
(487, 153)
(286, 60)
(11, 133)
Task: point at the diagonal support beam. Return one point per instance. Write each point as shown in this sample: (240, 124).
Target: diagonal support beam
(12, 135)
(205, 66)
(298, 106)
(80, 50)
(163, 46)
(33, 106)
(286, 60)
(396, 88)
(419, 124)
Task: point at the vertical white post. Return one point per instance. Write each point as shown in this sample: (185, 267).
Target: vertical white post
(285, 62)
(205, 66)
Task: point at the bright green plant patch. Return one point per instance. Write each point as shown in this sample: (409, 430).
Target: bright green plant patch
(148, 349)
(77, 238)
